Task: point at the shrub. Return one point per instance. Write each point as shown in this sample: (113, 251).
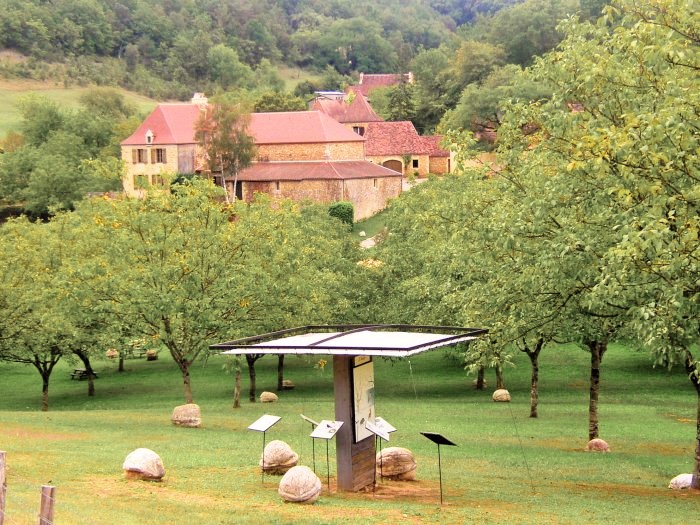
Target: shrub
(342, 210)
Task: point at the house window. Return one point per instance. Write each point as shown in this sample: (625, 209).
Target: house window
(158, 156)
(141, 182)
(277, 185)
(138, 156)
(375, 183)
(415, 163)
(360, 130)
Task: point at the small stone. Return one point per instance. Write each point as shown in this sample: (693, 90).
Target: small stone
(287, 384)
(681, 481)
(598, 445)
(501, 395)
(278, 457)
(300, 485)
(268, 397)
(363, 233)
(396, 463)
(187, 415)
(143, 464)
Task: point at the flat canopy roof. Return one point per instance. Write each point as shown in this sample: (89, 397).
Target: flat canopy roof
(352, 340)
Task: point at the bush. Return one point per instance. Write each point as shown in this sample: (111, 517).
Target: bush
(342, 210)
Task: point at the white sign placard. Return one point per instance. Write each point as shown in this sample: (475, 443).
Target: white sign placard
(384, 425)
(326, 429)
(376, 429)
(263, 423)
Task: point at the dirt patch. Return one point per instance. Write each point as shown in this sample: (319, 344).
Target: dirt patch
(25, 433)
(615, 490)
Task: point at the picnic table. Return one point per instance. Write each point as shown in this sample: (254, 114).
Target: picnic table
(81, 373)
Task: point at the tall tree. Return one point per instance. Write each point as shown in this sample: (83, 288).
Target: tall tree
(227, 147)
(36, 327)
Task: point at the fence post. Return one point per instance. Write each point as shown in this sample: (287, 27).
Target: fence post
(47, 501)
(3, 487)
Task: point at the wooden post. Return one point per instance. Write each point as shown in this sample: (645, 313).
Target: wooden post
(3, 487)
(47, 501)
(355, 461)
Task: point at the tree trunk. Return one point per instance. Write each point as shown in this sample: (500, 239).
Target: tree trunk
(250, 359)
(695, 379)
(597, 349)
(237, 388)
(500, 383)
(535, 375)
(88, 371)
(280, 371)
(186, 382)
(121, 362)
(44, 393)
(480, 378)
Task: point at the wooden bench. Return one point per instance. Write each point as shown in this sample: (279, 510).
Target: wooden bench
(81, 373)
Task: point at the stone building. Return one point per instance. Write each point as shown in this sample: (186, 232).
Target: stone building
(305, 155)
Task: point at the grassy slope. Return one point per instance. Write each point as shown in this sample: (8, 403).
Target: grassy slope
(12, 91)
(507, 468)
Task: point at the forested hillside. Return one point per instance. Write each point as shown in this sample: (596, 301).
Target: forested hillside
(168, 48)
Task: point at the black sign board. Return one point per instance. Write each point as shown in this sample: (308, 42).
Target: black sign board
(438, 439)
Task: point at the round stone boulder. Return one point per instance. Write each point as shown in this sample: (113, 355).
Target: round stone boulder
(268, 397)
(598, 445)
(143, 464)
(287, 384)
(187, 415)
(396, 463)
(278, 457)
(681, 481)
(501, 396)
(300, 485)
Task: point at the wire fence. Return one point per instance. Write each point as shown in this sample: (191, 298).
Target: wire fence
(47, 500)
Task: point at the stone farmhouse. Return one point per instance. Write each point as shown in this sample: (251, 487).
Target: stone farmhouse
(305, 155)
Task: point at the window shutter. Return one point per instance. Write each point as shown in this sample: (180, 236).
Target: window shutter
(134, 156)
(153, 156)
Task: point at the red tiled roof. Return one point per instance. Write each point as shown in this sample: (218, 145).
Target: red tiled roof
(296, 127)
(338, 170)
(169, 123)
(400, 138)
(176, 123)
(432, 145)
(358, 110)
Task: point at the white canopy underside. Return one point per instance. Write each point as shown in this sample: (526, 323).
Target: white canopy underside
(356, 343)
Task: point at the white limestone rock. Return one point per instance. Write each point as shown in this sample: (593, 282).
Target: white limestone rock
(278, 457)
(300, 485)
(681, 481)
(143, 464)
(188, 415)
(268, 397)
(396, 463)
(501, 396)
(598, 445)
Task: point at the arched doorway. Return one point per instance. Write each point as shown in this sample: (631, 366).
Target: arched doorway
(393, 165)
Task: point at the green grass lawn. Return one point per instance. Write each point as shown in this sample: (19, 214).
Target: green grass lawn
(12, 91)
(371, 226)
(507, 468)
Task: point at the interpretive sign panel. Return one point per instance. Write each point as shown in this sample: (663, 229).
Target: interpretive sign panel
(326, 429)
(263, 423)
(363, 390)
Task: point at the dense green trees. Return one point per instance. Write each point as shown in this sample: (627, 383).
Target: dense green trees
(178, 268)
(65, 154)
(587, 229)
